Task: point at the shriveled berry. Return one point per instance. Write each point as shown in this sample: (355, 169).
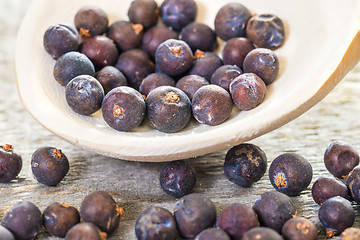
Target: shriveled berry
(168, 109)
(10, 163)
(123, 108)
(224, 75)
(84, 94)
(266, 31)
(49, 165)
(212, 234)
(155, 223)
(59, 218)
(290, 173)
(350, 233)
(24, 220)
(144, 12)
(59, 39)
(110, 77)
(327, 187)
(274, 209)
(340, 158)
(353, 184)
(299, 228)
(100, 209)
(235, 51)
(91, 21)
(211, 105)
(199, 36)
(154, 80)
(205, 64)
(236, 219)
(178, 13)
(194, 213)
(125, 34)
(85, 231)
(336, 214)
(5, 234)
(190, 84)
(245, 164)
(262, 233)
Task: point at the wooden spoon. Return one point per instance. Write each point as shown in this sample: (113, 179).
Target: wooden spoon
(322, 45)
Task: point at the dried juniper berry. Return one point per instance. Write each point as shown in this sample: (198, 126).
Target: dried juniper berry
(173, 57)
(199, 36)
(10, 163)
(100, 209)
(231, 20)
(340, 158)
(336, 214)
(327, 187)
(178, 13)
(23, 219)
(350, 233)
(273, 209)
(212, 234)
(353, 184)
(168, 109)
(290, 173)
(154, 80)
(262, 233)
(123, 108)
(5, 234)
(190, 84)
(110, 77)
(263, 62)
(236, 219)
(49, 165)
(58, 218)
(84, 94)
(85, 231)
(144, 12)
(155, 223)
(224, 75)
(194, 213)
(211, 105)
(135, 64)
(235, 51)
(247, 91)
(125, 34)
(59, 39)
(245, 164)
(91, 21)
(205, 64)
(299, 228)
(154, 36)
(177, 178)
(266, 31)
(70, 65)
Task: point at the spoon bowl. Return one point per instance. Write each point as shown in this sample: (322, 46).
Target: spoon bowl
(322, 44)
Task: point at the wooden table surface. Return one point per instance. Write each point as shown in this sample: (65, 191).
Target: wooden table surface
(135, 186)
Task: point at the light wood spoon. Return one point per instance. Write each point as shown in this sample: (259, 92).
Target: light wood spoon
(322, 45)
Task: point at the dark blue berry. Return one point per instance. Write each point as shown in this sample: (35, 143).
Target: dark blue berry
(91, 21)
(5, 234)
(144, 12)
(327, 187)
(190, 84)
(125, 34)
(110, 77)
(235, 51)
(154, 80)
(199, 36)
(262, 233)
(212, 234)
(205, 64)
(300, 228)
(10, 163)
(85, 231)
(353, 183)
(224, 75)
(178, 13)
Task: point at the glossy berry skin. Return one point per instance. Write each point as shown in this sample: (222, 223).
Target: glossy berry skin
(290, 173)
(110, 77)
(59, 39)
(24, 220)
(49, 165)
(340, 158)
(212, 234)
(205, 64)
(299, 228)
(5, 234)
(177, 178)
(199, 36)
(10, 163)
(125, 34)
(84, 94)
(350, 233)
(263, 62)
(262, 233)
(224, 75)
(173, 57)
(247, 91)
(266, 31)
(194, 213)
(236, 219)
(178, 13)
(168, 109)
(211, 105)
(91, 21)
(154, 80)
(245, 164)
(155, 223)
(58, 218)
(85, 231)
(273, 209)
(336, 214)
(190, 84)
(327, 187)
(144, 12)
(100, 209)
(231, 20)
(235, 51)
(70, 65)
(123, 108)
(353, 184)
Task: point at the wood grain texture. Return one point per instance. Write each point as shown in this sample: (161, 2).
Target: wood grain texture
(134, 185)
